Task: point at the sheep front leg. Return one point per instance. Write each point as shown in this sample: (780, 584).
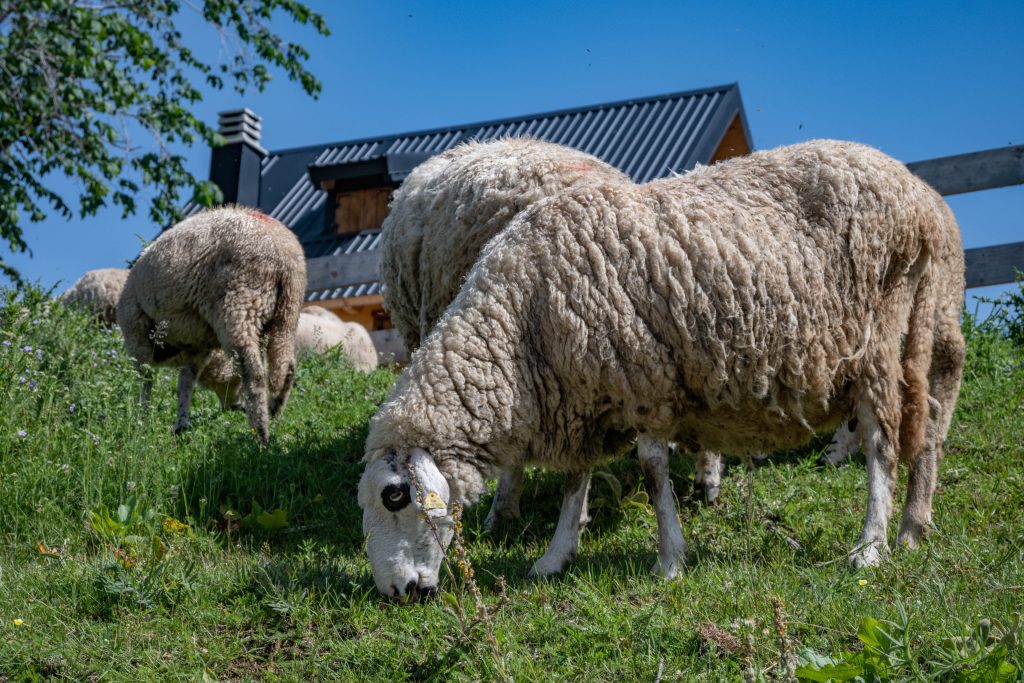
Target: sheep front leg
(186, 385)
(187, 377)
(707, 478)
(566, 540)
(845, 443)
(505, 507)
(653, 455)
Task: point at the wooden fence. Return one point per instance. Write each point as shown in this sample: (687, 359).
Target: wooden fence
(1002, 167)
(951, 175)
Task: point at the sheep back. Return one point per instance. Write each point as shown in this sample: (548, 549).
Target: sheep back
(733, 309)
(228, 267)
(98, 290)
(452, 204)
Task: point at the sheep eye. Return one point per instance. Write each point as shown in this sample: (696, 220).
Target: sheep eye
(395, 496)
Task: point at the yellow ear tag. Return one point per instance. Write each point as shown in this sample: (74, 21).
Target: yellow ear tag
(432, 501)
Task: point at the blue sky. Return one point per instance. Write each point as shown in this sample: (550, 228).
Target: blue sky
(915, 79)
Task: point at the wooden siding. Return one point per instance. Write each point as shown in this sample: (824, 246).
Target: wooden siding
(360, 209)
(734, 143)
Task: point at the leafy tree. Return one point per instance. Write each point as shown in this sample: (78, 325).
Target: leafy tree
(81, 80)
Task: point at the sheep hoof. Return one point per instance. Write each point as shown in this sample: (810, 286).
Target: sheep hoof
(669, 570)
(180, 427)
(548, 566)
(910, 535)
(704, 493)
(496, 521)
(868, 555)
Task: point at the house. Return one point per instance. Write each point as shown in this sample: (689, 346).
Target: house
(335, 196)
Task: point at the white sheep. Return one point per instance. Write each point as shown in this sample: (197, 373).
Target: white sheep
(441, 217)
(230, 278)
(320, 330)
(740, 308)
(98, 290)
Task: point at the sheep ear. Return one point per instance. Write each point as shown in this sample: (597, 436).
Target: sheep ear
(431, 482)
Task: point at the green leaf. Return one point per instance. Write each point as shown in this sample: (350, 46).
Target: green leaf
(842, 671)
(273, 521)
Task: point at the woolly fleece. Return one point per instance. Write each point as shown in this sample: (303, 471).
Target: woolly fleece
(228, 278)
(98, 290)
(452, 204)
(740, 308)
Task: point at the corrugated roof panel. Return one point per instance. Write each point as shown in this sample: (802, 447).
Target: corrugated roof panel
(653, 164)
(634, 160)
(648, 138)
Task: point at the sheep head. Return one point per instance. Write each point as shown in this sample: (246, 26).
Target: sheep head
(407, 522)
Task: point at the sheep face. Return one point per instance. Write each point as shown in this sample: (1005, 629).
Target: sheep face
(407, 522)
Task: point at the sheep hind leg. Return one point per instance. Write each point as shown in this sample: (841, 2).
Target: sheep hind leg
(653, 455)
(879, 417)
(280, 363)
(924, 469)
(566, 541)
(944, 379)
(505, 507)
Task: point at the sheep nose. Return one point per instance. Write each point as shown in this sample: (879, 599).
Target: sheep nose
(410, 588)
(428, 591)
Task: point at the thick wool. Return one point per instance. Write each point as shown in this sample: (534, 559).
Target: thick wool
(452, 204)
(320, 330)
(230, 278)
(98, 290)
(741, 308)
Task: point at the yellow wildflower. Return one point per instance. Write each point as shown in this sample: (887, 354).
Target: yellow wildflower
(862, 582)
(174, 526)
(19, 622)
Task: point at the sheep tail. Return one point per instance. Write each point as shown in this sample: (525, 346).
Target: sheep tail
(291, 290)
(916, 361)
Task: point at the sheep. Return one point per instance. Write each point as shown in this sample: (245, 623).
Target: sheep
(230, 278)
(440, 219)
(98, 290)
(739, 308)
(320, 330)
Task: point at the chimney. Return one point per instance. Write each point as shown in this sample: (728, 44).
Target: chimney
(235, 166)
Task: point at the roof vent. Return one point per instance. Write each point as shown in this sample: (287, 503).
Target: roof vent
(240, 125)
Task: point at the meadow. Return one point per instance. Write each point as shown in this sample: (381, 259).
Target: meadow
(127, 553)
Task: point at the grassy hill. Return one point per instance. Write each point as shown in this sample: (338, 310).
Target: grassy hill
(129, 554)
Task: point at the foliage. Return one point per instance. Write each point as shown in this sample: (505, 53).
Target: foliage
(127, 553)
(83, 80)
(888, 655)
(1006, 316)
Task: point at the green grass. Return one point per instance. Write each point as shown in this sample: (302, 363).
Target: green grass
(268, 579)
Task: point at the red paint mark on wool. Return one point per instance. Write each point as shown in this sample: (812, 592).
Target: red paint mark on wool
(581, 166)
(259, 215)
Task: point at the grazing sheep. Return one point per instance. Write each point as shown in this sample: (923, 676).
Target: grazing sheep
(441, 217)
(228, 278)
(740, 308)
(98, 290)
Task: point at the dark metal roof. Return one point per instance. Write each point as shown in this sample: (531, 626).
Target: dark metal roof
(646, 138)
